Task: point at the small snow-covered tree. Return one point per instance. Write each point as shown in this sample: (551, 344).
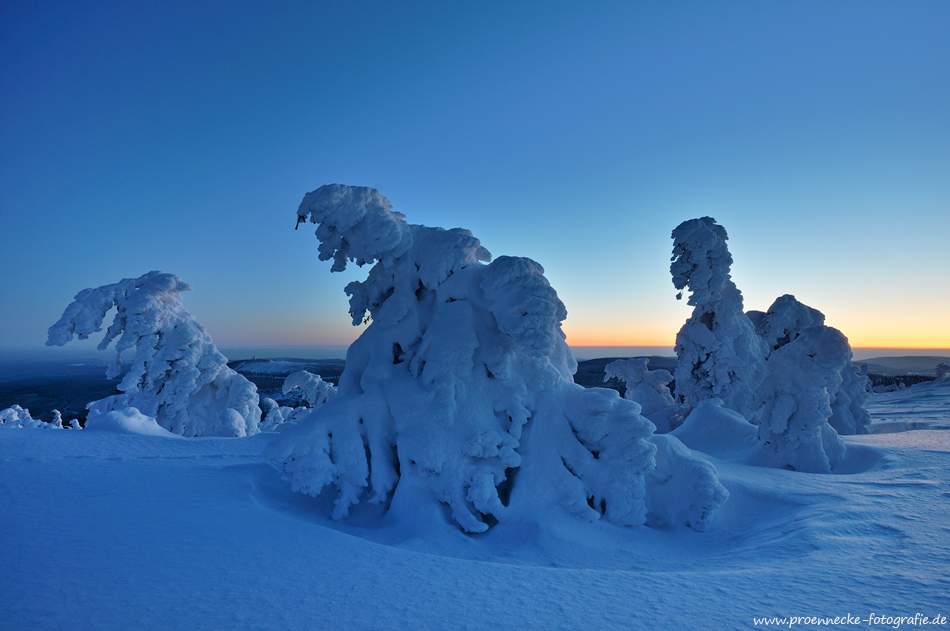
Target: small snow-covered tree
(177, 374)
(646, 387)
(782, 324)
(459, 390)
(720, 355)
(315, 390)
(943, 372)
(18, 417)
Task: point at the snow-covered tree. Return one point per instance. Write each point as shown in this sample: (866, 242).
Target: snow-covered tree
(17, 417)
(797, 397)
(782, 324)
(720, 355)
(177, 375)
(646, 387)
(460, 390)
(315, 390)
(943, 372)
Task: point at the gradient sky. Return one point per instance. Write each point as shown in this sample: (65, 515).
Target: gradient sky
(181, 136)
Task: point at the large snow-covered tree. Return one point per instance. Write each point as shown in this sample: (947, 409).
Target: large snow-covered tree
(720, 355)
(177, 374)
(460, 390)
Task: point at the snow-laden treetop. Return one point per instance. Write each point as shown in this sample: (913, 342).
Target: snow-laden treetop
(701, 260)
(358, 224)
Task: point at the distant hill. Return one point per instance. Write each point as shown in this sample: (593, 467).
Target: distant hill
(907, 365)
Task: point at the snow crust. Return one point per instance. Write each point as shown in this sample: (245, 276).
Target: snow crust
(460, 390)
(177, 375)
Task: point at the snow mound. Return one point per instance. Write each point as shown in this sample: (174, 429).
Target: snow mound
(177, 374)
(126, 421)
(683, 489)
(718, 431)
(459, 391)
(783, 324)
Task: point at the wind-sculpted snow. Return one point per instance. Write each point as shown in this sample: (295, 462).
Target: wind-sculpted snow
(177, 375)
(720, 355)
(459, 391)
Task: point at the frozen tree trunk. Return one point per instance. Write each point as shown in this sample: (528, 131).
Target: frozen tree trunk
(720, 355)
(460, 390)
(177, 375)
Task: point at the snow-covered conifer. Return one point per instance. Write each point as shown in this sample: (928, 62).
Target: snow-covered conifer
(460, 388)
(177, 375)
(720, 355)
(797, 397)
(943, 372)
(17, 417)
(646, 387)
(782, 324)
(315, 390)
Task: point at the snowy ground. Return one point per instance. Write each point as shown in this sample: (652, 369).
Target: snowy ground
(100, 530)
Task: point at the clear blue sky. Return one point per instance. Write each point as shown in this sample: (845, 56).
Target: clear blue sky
(181, 136)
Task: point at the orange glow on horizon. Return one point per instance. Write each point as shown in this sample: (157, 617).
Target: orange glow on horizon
(657, 336)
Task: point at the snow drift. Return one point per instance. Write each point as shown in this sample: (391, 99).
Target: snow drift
(177, 376)
(460, 390)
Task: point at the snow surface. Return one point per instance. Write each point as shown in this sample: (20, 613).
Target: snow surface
(103, 530)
